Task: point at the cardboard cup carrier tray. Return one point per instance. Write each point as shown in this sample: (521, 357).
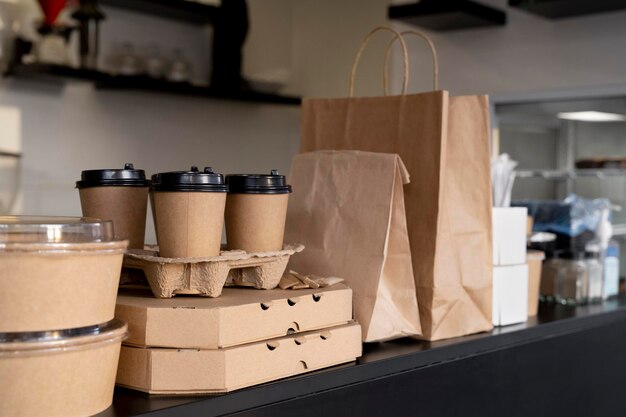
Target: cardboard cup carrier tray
(208, 276)
(192, 345)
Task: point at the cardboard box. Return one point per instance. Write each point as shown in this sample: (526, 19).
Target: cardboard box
(240, 315)
(510, 294)
(535, 262)
(509, 235)
(189, 371)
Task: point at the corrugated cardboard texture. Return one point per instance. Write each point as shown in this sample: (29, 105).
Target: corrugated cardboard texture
(180, 371)
(189, 224)
(239, 316)
(256, 222)
(125, 206)
(73, 383)
(207, 276)
(53, 291)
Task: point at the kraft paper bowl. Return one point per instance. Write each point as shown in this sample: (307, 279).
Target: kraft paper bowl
(53, 276)
(68, 373)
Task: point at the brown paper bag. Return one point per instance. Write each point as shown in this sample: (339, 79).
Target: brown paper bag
(444, 142)
(347, 208)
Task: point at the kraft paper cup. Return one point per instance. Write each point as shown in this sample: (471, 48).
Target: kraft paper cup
(59, 374)
(52, 276)
(256, 210)
(188, 208)
(256, 222)
(125, 206)
(119, 195)
(189, 224)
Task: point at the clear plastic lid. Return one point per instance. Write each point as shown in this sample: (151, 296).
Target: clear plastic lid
(53, 230)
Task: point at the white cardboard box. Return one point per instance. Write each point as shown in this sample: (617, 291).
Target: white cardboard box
(509, 235)
(510, 294)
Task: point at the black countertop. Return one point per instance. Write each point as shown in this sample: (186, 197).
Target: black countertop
(380, 361)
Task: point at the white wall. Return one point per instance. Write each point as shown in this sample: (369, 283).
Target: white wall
(73, 128)
(69, 128)
(529, 53)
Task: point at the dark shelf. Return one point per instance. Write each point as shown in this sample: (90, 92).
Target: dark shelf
(159, 86)
(573, 354)
(445, 15)
(54, 73)
(558, 9)
(103, 81)
(188, 11)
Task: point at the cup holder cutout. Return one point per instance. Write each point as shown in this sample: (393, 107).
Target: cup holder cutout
(325, 335)
(295, 327)
(291, 302)
(299, 341)
(304, 365)
(317, 297)
(272, 345)
(265, 306)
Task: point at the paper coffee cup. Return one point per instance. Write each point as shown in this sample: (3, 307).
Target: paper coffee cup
(188, 209)
(119, 195)
(256, 209)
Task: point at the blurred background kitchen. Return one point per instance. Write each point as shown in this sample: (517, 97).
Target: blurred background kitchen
(169, 83)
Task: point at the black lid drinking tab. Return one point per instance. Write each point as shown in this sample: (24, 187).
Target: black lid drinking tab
(192, 180)
(128, 177)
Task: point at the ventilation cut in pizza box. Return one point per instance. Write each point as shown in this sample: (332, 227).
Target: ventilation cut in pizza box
(191, 371)
(240, 315)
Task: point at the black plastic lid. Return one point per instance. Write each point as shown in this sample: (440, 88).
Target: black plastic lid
(258, 184)
(192, 180)
(128, 177)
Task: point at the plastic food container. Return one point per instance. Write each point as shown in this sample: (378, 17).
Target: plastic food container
(65, 373)
(57, 272)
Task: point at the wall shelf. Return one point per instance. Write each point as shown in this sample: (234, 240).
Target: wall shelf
(558, 9)
(185, 10)
(104, 81)
(447, 14)
(566, 175)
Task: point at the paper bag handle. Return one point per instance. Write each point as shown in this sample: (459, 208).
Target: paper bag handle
(432, 50)
(364, 43)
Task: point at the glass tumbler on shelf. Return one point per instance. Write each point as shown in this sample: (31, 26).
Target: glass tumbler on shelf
(595, 274)
(572, 280)
(549, 272)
